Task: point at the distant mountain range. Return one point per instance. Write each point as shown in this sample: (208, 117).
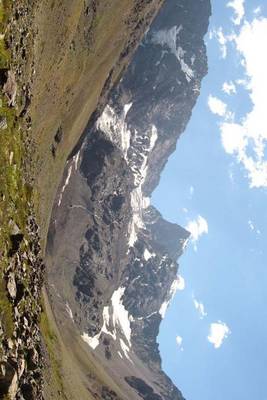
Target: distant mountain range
(112, 258)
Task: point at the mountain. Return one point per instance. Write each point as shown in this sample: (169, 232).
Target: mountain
(111, 257)
(58, 62)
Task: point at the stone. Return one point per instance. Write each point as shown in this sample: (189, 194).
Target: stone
(1, 329)
(10, 89)
(21, 367)
(14, 229)
(11, 285)
(3, 123)
(3, 369)
(13, 388)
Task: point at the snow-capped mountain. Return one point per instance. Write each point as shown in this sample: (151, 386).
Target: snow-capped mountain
(114, 267)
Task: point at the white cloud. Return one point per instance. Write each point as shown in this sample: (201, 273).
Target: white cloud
(219, 331)
(221, 38)
(251, 225)
(229, 88)
(217, 106)
(179, 341)
(233, 138)
(257, 10)
(200, 308)
(253, 228)
(247, 140)
(243, 82)
(239, 10)
(197, 228)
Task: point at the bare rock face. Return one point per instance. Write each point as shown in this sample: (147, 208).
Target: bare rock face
(114, 258)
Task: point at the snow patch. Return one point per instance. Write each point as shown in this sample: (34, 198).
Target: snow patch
(184, 243)
(69, 311)
(120, 314)
(178, 284)
(65, 185)
(125, 350)
(93, 342)
(116, 319)
(126, 108)
(168, 37)
(115, 127)
(76, 160)
(138, 201)
(148, 255)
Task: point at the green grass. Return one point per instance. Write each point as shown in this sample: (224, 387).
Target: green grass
(14, 194)
(53, 349)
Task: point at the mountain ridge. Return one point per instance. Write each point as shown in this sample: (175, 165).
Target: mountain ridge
(111, 257)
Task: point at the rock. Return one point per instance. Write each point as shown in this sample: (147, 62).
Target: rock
(11, 285)
(21, 367)
(3, 369)
(3, 123)
(14, 229)
(13, 388)
(10, 89)
(1, 329)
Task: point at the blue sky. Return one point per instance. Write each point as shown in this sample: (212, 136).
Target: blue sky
(213, 340)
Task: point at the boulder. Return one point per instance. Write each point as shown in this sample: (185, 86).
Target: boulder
(13, 388)
(10, 89)
(11, 285)
(3, 123)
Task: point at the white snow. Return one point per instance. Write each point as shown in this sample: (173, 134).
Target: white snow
(138, 201)
(76, 160)
(65, 185)
(138, 204)
(184, 243)
(93, 342)
(106, 323)
(115, 127)
(189, 74)
(72, 163)
(120, 314)
(154, 137)
(116, 320)
(178, 284)
(164, 308)
(148, 255)
(69, 311)
(126, 108)
(168, 37)
(125, 349)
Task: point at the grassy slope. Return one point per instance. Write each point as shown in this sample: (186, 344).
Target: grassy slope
(74, 56)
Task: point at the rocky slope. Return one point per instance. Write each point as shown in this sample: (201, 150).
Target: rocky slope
(112, 258)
